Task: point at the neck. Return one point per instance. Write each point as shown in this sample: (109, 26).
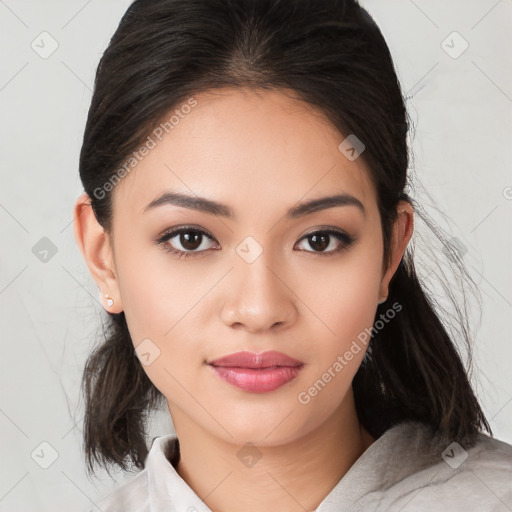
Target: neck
(291, 477)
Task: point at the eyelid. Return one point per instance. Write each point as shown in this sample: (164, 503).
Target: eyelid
(180, 229)
(326, 229)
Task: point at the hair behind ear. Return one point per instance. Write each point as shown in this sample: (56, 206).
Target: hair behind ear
(413, 371)
(118, 394)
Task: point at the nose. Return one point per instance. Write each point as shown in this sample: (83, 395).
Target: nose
(257, 298)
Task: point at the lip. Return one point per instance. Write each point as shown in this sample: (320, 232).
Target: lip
(256, 360)
(257, 372)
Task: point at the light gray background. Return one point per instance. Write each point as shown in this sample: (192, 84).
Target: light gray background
(50, 311)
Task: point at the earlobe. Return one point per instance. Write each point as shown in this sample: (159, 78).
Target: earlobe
(401, 234)
(95, 245)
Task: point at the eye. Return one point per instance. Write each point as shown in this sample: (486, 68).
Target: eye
(193, 240)
(190, 239)
(320, 241)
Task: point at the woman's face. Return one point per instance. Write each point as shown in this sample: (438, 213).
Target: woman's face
(257, 282)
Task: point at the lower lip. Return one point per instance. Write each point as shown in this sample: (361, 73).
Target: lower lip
(257, 380)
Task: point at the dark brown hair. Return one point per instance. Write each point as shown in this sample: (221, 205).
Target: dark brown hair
(332, 55)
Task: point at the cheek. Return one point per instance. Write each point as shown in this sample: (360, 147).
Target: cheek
(347, 309)
(345, 300)
(344, 296)
(155, 291)
(353, 301)
(161, 305)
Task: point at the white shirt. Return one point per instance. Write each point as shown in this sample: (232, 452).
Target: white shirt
(401, 471)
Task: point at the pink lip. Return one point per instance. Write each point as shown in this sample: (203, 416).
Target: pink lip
(255, 372)
(256, 360)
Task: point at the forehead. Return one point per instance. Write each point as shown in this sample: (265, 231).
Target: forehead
(245, 148)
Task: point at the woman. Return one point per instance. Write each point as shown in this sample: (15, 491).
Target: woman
(246, 220)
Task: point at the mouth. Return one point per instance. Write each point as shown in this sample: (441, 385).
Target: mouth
(254, 360)
(257, 372)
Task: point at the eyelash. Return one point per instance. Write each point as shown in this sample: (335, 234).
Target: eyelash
(345, 239)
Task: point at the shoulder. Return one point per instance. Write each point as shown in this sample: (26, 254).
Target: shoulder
(157, 483)
(476, 478)
(131, 496)
(426, 471)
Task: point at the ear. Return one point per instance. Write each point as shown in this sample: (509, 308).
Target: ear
(95, 245)
(401, 234)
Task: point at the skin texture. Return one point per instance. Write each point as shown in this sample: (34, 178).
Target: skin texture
(260, 153)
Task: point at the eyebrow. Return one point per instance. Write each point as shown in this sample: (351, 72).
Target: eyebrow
(211, 207)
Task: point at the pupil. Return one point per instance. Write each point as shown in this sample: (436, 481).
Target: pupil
(320, 242)
(187, 243)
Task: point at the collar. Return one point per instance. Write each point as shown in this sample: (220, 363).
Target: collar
(168, 492)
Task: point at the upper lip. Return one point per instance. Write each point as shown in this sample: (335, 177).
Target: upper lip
(256, 360)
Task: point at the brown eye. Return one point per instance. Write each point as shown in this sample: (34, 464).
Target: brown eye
(186, 241)
(190, 241)
(320, 241)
